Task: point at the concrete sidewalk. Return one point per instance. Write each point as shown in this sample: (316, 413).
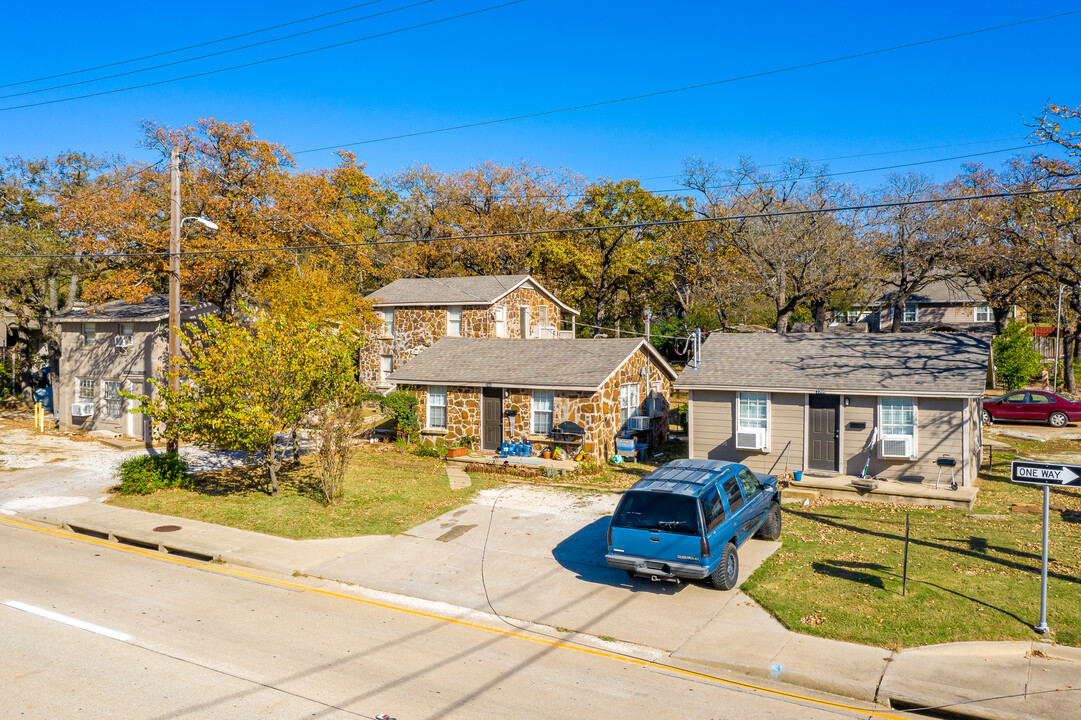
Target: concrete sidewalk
(543, 563)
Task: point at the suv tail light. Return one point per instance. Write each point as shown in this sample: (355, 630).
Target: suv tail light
(705, 548)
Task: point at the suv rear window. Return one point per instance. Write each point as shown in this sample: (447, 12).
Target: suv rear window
(663, 512)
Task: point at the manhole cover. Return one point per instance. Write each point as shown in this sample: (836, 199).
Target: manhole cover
(166, 528)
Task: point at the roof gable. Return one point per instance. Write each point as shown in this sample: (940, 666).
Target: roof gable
(933, 364)
(470, 290)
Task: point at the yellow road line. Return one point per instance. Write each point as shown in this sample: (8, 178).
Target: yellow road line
(464, 623)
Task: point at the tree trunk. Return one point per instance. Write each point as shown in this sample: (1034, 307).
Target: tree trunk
(296, 446)
(898, 312)
(270, 456)
(820, 315)
(783, 317)
(1069, 346)
(1002, 318)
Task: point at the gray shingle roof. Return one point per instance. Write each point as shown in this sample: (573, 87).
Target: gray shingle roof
(505, 362)
(945, 364)
(472, 290)
(959, 290)
(153, 308)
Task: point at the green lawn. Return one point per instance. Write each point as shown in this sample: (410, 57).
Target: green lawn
(386, 492)
(838, 573)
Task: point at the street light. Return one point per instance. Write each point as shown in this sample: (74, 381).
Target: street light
(201, 220)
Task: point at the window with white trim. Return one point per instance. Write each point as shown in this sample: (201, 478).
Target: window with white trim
(84, 390)
(454, 321)
(753, 412)
(910, 314)
(897, 417)
(628, 402)
(114, 403)
(543, 407)
(500, 321)
(983, 314)
(388, 323)
(437, 407)
(127, 329)
(89, 333)
(386, 367)
(542, 315)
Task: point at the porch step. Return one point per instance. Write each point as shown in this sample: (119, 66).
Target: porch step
(797, 495)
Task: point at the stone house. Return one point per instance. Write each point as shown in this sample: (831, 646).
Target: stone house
(515, 389)
(824, 402)
(111, 348)
(416, 312)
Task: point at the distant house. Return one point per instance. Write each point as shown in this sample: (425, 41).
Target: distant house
(953, 303)
(513, 389)
(416, 312)
(825, 402)
(111, 348)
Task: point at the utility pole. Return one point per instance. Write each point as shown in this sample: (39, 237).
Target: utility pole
(174, 276)
(1058, 337)
(647, 316)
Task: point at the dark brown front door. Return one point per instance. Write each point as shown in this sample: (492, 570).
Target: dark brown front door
(491, 415)
(823, 434)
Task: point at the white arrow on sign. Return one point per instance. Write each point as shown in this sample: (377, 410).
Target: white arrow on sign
(1062, 475)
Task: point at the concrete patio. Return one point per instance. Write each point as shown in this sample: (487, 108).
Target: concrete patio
(888, 491)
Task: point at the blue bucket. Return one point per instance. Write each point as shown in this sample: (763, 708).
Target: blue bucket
(797, 475)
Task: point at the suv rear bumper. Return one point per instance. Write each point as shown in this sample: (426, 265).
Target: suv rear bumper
(656, 568)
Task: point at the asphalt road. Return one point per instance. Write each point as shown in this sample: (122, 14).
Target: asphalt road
(167, 640)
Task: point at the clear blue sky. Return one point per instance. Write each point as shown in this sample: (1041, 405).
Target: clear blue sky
(544, 54)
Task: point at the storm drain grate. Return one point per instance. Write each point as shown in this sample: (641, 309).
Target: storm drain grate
(189, 554)
(87, 531)
(137, 543)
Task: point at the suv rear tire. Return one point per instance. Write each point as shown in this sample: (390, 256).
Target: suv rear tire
(771, 528)
(726, 576)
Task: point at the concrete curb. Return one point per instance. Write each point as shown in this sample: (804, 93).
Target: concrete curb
(908, 679)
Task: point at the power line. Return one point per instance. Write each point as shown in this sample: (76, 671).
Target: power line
(265, 60)
(217, 53)
(685, 88)
(190, 47)
(552, 231)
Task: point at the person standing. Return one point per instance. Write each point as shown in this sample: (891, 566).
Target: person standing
(1045, 378)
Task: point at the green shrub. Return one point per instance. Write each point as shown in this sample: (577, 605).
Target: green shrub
(147, 473)
(430, 449)
(1016, 359)
(403, 408)
(549, 472)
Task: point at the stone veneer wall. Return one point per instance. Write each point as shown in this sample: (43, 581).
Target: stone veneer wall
(416, 328)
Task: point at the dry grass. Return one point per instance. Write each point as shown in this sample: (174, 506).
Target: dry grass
(386, 492)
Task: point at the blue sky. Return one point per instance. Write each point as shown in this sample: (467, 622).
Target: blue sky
(543, 54)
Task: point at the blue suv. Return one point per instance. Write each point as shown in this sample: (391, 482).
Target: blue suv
(686, 519)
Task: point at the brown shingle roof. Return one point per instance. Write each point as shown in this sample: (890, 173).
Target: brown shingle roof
(944, 364)
(472, 290)
(510, 362)
(153, 308)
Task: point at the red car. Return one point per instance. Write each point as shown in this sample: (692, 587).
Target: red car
(1032, 406)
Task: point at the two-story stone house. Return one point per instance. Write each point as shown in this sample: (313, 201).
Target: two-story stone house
(416, 312)
(111, 348)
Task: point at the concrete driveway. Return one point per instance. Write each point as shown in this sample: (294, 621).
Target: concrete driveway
(543, 562)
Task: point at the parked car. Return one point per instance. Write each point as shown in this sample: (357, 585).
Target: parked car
(687, 519)
(1032, 406)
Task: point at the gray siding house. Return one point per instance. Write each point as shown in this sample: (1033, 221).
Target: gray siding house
(111, 348)
(823, 402)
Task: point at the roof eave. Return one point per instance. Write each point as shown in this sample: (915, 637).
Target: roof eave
(830, 391)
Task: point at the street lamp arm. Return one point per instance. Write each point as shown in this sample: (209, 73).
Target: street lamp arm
(201, 220)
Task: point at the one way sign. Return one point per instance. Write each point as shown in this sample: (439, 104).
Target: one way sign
(1034, 473)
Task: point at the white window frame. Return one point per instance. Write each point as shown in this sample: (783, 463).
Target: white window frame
(542, 315)
(739, 424)
(628, 410)
(500, 321)
(79, 396)
(454, 326)
(387, 330)
(436, 392)
(119, 398)
(915, 312)
(127, 329)
(989, 315)
(551, 395)
(383, 372)
(89, 333)
(915, 424)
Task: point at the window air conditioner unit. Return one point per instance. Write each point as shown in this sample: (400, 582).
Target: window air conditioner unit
(895, 446)
(751, 439)
(638, 422)
(83, 409)
(123, 341)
